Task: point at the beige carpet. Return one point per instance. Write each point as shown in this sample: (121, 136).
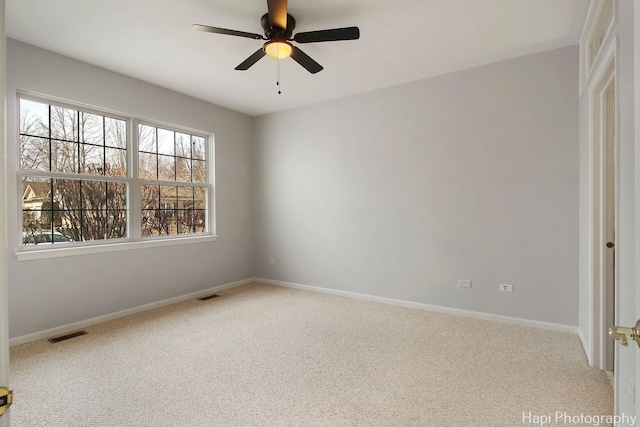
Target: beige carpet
(267, 356)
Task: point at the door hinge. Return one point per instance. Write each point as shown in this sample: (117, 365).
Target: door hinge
(6, 399)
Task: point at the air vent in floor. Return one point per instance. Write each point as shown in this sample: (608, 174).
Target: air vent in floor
(208, 297)
(67, 337)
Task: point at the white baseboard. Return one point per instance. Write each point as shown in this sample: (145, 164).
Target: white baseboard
(409, 304)
(94, 321)
(428, 307)
(585, 346)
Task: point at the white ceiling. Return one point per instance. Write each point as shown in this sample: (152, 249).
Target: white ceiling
(401, 41)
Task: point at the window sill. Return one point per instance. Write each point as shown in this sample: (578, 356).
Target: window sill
(28, 255)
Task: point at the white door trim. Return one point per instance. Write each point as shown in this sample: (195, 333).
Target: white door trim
(636, 71)
(602, 76)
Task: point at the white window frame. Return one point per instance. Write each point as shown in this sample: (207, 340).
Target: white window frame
(134, 239)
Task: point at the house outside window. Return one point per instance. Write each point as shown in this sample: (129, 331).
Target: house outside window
(86, 177)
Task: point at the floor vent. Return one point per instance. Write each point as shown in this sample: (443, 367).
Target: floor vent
(208, 297)
(67, 337)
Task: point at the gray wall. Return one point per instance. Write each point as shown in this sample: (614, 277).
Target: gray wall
(395, 193)
(400, 192)
(48, 293)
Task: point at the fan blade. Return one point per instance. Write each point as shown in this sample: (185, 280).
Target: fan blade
(305, 60)
(251, 60)
(336, 34)
(216, 30)
(277, 13)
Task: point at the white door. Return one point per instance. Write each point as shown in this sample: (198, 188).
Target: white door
(628, 301)
(4, 305)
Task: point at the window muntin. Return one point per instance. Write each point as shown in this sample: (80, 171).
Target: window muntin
(77, 184)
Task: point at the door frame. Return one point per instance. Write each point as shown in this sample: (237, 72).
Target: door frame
(636, 72)
(4, 297)
(600, 304)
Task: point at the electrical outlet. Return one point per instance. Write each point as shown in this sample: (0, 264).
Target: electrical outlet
(464, 283)
(505, 287)
(272, 261)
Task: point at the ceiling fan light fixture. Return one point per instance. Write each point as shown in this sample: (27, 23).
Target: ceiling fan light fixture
(278, 49)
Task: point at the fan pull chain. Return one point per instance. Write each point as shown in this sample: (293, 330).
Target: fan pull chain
(278, 79)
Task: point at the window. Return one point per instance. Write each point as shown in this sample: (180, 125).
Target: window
(172, 168)
(80, 184)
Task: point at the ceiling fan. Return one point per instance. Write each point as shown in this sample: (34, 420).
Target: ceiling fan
(278, 28)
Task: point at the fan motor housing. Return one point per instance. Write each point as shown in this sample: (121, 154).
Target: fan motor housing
(278, 33)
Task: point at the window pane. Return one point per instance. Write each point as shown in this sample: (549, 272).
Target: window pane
(149, 222)
(198, 148)
(185, 197)
(166, 214)
(191, 212)
(71, 219)
(36, 207)
(91, 129)
(147, 139)
(64, 156)
(64, 124)
(34, 153)
(94, 224)
(67, 207)
(165, 142)
(34, 118)
(150, 203)
(116, 196)
(166, 222)
(148, 165)
(115, 162)
(66, 194)
(200, 220)
(94, 195)
(191, 221)
(117, 224)
(32, 222)
(183, 145)
(168, 197)
(36, 196)
(199, 173)
(115, 133)
(183, 169)
(199, 198)
(91, 159)
(166, 168)
(150, 197)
